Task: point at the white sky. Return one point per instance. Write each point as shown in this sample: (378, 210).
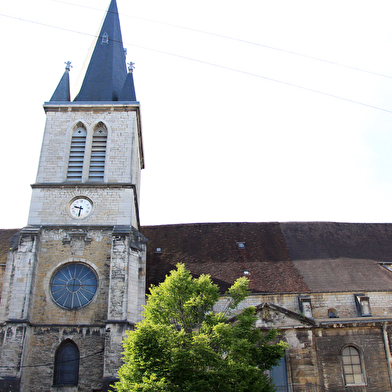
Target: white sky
(220, 144)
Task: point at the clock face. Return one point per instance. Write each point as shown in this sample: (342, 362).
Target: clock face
(80, 208)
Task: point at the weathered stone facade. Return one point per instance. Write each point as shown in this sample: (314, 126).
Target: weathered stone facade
(314, 358)
(34, 325)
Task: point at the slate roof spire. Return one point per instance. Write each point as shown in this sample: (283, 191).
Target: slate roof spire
(128, 91)
(62, 92)
(106, 73)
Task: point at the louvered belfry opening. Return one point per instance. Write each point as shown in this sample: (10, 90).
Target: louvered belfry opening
(76, 154)
(98, 154)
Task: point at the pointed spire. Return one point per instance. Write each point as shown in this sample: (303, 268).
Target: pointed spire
(128, 91)
(62, 92)
(106, 72)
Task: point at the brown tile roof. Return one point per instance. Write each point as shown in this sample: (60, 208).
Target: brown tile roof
(341, 256)
(211, 248)
(337, 275)
(330, 240)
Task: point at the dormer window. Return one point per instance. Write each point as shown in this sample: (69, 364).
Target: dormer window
(105, 39)
(305, 306)
(363, 305)
(241, 245)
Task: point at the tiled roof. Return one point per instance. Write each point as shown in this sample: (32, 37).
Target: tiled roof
(341, 256)
(331, 240)
(211, 248)
(337, 275)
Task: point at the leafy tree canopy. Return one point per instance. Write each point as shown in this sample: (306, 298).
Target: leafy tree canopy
(182, 345)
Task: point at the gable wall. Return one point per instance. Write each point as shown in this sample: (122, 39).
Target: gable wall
(344, 303)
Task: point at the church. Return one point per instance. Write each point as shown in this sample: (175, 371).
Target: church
(74, 280)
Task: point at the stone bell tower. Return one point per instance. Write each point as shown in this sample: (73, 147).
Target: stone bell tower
(75, 275)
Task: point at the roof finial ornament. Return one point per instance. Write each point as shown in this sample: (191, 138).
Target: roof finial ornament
(68, 65)
(131, 67)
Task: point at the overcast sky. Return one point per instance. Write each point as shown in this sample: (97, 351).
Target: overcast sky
(251, 111)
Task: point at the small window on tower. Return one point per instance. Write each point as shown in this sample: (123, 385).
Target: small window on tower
(105, 39)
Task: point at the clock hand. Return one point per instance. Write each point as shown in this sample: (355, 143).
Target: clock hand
(79, 208)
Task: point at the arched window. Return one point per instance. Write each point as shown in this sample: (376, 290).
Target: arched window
(352, 367)
(66, 367)
(98, 154)
(76, 154)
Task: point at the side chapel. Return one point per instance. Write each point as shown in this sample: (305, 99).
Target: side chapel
(74, 279)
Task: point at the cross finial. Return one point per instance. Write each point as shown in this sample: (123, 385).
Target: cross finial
(68, 65)
(131, 66)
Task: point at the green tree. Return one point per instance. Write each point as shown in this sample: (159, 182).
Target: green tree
(182, 345)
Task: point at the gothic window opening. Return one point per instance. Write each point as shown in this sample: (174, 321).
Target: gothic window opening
(76, 154)
(66, 367)
(352, 367)
(98, 154)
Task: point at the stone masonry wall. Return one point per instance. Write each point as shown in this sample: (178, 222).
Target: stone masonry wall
(38, 373)
(122, 141)
(111, 206)
(54, 253)
(368, 341)
(343, 303)
(126, 297)
(302, 356)
(314, 355)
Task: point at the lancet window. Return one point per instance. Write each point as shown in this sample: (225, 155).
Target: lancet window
(98, 154)
(66, 367)
(76, 154)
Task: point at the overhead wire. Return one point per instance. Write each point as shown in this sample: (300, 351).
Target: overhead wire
(234, 39)
(211, 64)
